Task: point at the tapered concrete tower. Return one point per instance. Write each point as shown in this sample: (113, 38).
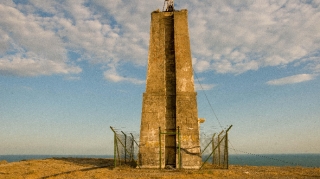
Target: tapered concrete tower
(170, 100)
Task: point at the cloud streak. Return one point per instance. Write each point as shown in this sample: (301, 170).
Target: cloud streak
(292, 79)
(112, 75)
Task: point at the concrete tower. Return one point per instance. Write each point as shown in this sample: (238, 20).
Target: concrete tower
(170, 99)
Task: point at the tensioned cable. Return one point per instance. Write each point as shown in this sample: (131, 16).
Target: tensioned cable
(212, 108)
(207, 99)
(271, 158)
(235, 150)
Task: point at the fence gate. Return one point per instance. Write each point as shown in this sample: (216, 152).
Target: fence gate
(178, 152)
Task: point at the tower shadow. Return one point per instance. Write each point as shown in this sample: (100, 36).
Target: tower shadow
(94, 164)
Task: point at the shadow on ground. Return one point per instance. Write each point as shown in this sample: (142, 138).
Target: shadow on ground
(96, 162)
(91, 163)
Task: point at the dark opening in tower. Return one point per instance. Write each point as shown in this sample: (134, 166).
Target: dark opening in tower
(170, 86)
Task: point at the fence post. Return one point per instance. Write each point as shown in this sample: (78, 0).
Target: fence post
(227, 148)
(132, 149)
(219, 161)
(226, 151)
(160, 148)
(115, 150)
(179, 148)
(114, 147)
(218, 145)
(125, 147)
(213, 151)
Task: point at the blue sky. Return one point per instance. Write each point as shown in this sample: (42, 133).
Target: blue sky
(70, 69)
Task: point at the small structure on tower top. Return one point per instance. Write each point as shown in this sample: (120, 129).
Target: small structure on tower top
(168, 6)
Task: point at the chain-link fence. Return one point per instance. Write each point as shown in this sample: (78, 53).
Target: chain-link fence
(125, 148)
(214, 149)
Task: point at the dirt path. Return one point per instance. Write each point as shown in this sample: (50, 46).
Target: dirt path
(103, 168)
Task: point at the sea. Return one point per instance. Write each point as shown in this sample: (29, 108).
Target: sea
(304, 160)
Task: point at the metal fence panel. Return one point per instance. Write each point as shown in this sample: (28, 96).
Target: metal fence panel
(125, 148)
(214, 149)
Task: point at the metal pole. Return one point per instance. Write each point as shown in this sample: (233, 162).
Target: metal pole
(206, 147)
(160, 148)
(226, 147)
(213, 156)
(179, 148)
(138, 160)
(118, 153)
(218, 144)
(218, 159)
(226, 151)
(228, 129)
(117, 144)
(211, 153)
(136, 143)
(132, 148)
(219, 148)
(121, 144)
(125, 147)
(115, 150)
(114, 147)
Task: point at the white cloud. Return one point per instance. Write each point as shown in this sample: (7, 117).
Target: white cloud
(313, 62)
(292, 79)
(104, 35)
(97, 31)
(8, 2)
(72, 78)
(226, 36)
(32, 66)
(199, 86)
(205, 87)
(201, 65)
(112, 75)
(4, 42)
(254, 34)
(28, 49)
(316, 68)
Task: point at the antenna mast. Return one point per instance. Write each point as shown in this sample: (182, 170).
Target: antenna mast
(168, 6)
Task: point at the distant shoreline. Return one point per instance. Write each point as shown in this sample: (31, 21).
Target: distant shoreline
(304, 160)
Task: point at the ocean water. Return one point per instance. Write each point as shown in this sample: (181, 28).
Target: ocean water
(304, 160)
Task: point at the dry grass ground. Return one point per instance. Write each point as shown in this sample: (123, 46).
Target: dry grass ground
(103, 168)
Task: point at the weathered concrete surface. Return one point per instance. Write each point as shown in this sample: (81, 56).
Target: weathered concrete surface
(170, 99)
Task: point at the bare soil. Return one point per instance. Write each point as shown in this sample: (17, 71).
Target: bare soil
(104, 168)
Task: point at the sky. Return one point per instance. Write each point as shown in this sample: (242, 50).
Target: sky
(70, 69)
